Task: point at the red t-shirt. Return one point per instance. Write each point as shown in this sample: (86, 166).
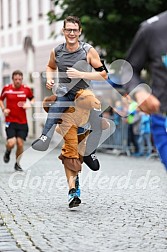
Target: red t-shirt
(15, 97)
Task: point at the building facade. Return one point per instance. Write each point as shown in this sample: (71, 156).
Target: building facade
(25, 44)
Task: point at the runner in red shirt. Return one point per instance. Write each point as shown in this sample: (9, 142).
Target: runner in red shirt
(15, 95)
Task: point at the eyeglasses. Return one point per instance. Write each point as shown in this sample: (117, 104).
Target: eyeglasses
(68, 31)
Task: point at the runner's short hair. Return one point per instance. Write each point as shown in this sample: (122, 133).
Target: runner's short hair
(17, 72)
(72, 19)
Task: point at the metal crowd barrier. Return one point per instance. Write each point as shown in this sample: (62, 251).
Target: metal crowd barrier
(118, 140)
(117, 143)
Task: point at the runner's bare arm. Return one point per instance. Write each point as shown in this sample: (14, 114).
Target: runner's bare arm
(51, 70)
(6, 111)
(94, 60)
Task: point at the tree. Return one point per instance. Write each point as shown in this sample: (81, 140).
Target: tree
(109, 24)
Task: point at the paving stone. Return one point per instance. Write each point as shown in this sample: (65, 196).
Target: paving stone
(123, 207)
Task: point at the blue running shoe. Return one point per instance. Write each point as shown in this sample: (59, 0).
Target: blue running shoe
(73, 199)
(78, 191)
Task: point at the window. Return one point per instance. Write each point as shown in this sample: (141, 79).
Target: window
(40, 8)
(10, 39)
(6, 80)
(1, 13)
(29, 10)
(52, 5)
(19, 38)
(2, 41)
(41, 32)
(9, 13)
(18, 12)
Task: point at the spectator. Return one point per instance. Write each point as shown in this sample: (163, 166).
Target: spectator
(133, 133)
(145, 135)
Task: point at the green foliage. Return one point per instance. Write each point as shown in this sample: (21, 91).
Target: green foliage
(109, 24)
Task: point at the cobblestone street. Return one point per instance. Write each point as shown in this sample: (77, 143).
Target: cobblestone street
(123, 206)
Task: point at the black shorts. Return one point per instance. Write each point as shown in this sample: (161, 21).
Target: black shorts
(16, 130)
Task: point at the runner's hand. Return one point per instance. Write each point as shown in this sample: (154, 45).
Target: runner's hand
(148, 103)
(73, 73)
(27, 105)
(6, 111)
(50, 84)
